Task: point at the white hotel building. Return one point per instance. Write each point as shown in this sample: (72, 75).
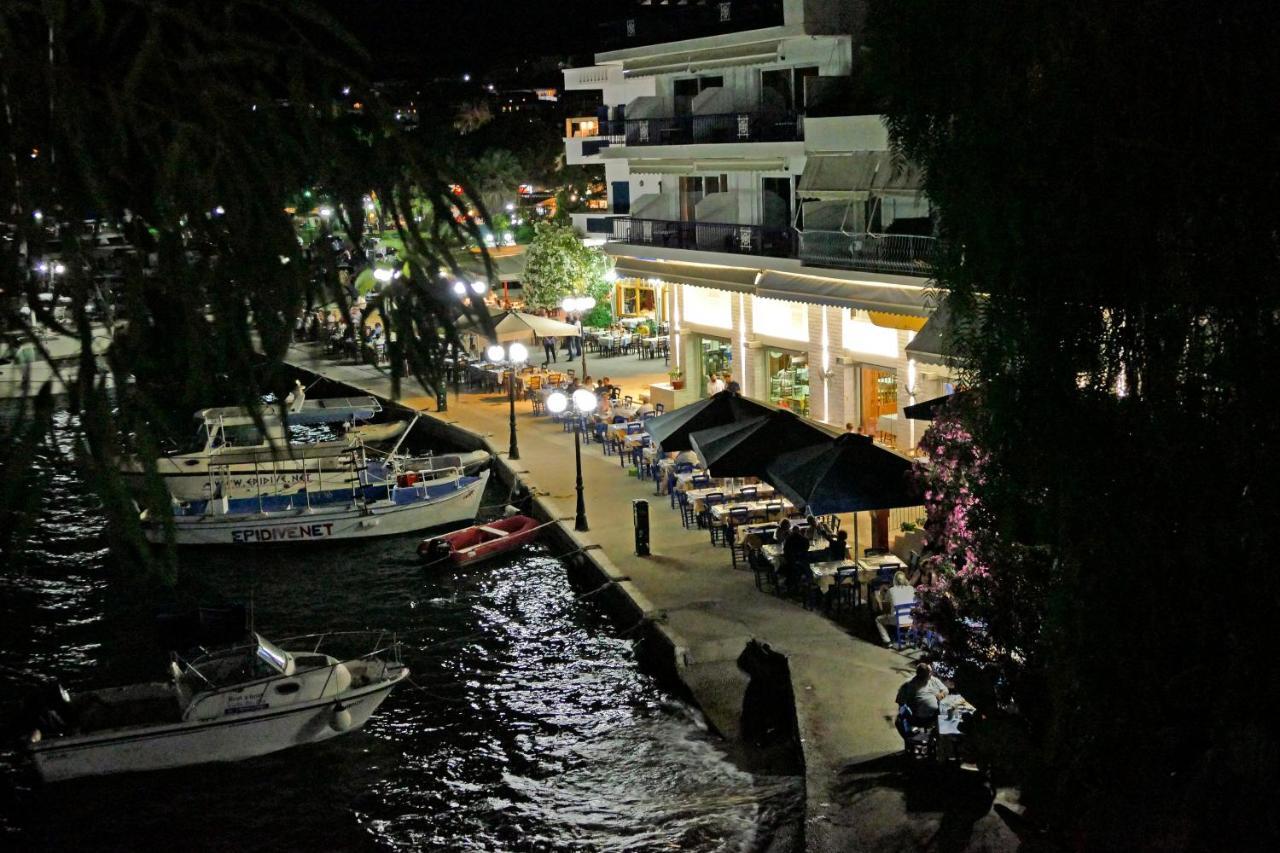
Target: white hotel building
(754, 208)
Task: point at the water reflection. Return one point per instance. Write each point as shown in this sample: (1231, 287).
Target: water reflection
(528, 726)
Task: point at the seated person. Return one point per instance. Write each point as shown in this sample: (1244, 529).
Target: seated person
(921, 695)
(812, 530)
(687, 456)
(839, 547)
(795, 553)
(901, 592)
(644, 409)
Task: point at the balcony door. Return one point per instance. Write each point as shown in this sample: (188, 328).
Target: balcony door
(692, 190)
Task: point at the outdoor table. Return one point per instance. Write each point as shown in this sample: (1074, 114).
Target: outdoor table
(773, 552)
(618, 432)
(697, 497)
(628, 412)
(633, 440)
(879, 561)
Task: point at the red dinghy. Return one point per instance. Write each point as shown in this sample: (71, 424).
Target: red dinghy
(479, 542)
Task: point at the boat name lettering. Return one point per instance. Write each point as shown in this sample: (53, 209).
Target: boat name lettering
(279, 534)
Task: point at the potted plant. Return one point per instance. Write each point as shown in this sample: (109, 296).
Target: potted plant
(677, 378)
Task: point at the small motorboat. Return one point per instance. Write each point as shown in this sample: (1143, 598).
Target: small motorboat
(480, 541)
(379, 433)
(227, 705)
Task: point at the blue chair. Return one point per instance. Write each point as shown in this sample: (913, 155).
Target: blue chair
(619, 419)
(749, 493)
(701, 481)
(737, 515)
(884, 577)
(684, 467)
(686, 509)
(704, 520)
(599, 433)
(903, 622)
(635, 428)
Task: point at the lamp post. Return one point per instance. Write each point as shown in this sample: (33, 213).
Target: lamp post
(576, 305)
(584, 402)
(515, 354)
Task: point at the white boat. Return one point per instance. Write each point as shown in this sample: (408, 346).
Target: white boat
(24, 370)
(226, 706)
(238, 456)
(414, 501)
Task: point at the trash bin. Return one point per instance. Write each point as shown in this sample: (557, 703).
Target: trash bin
(640, 517)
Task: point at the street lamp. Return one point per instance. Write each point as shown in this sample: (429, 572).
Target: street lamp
(577, 305)
(514, 354)
(584, 402)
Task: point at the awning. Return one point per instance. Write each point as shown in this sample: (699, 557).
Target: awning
(667, 166)
(693, 58)
(735, 279)
(864, 295)
(855, 176)
(505, 267)
(929, 345)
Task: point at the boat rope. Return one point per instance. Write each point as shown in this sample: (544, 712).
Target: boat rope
(436, 696)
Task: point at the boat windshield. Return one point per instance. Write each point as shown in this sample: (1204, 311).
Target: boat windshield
(271, 654)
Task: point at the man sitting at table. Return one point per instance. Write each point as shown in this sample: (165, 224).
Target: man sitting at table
(921, 695)
(839, 547)
(795, 554)
(687, 456)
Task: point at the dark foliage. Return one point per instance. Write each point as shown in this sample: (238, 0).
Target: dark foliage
(1106, 179)
(193, 126)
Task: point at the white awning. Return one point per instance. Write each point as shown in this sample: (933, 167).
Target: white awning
(930, 345)
(736, 279)
(857, 175)
(668, 166)
(701, 58)
(864, 295)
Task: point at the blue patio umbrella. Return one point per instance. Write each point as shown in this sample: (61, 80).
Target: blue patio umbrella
(849, 474)
(745, 448)
(671, 431)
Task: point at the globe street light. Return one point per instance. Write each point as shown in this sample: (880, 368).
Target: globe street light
(577, 305)
(514, 354)
(584, 402)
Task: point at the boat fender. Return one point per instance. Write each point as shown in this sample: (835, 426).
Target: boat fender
(341, 678)
(509, 511)
(340, 718)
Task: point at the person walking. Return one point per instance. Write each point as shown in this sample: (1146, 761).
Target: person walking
(549, 347)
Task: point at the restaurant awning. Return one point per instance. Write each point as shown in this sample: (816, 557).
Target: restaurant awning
(673, 430)
(848, 474)
(505, 267)
(864, 295)
(517, 325)
(735, 279)
(857, 175)
(744, 448)
(930, 345)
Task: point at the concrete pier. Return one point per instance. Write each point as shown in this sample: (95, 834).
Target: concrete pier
(707, 612)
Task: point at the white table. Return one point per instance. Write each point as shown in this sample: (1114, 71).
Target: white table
(773, 553)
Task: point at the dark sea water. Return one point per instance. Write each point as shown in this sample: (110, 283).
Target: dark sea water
(529, 724)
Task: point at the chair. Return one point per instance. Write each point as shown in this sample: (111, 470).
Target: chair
(659, 408)
(846, 592)
(684, 467)
(635, 428)
(919, 740)
(700, 481)
(628, 401)
(749, 493)
(763, 571)
(618, 419)
(736, 515)
(704, 520)
(772, 508)
(902, 620)
(671, 489)
(686, 509)
(884, 577)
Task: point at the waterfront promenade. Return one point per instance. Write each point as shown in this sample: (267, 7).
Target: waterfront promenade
(844, 687)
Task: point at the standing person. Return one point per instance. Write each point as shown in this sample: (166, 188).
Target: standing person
(715, 386)
(848, 427)
(549, 347)
(731, 385)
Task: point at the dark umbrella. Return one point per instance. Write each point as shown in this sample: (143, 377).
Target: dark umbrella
(745, 448)
(671, 431)
(929, 409)
(850, 474)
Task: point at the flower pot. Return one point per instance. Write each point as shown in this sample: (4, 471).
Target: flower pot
(677, 384)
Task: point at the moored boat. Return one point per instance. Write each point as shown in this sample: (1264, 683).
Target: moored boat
(229, 705)
(414, 501)
(480, 541)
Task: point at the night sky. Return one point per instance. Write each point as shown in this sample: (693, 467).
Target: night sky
(425, 38)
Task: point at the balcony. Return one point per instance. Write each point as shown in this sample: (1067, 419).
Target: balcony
(720, 127)
(658, 24)
(761, 240)
(906, 254)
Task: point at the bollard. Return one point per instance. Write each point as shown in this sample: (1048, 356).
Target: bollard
(640, 517)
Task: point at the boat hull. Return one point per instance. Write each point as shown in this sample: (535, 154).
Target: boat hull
(472, 546)
(230, 738)
(326, 523)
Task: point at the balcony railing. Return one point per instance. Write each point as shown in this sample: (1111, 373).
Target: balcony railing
(764, 240)
(719, 127)
(901, 253)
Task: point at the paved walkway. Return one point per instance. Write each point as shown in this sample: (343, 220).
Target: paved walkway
(844, 687)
